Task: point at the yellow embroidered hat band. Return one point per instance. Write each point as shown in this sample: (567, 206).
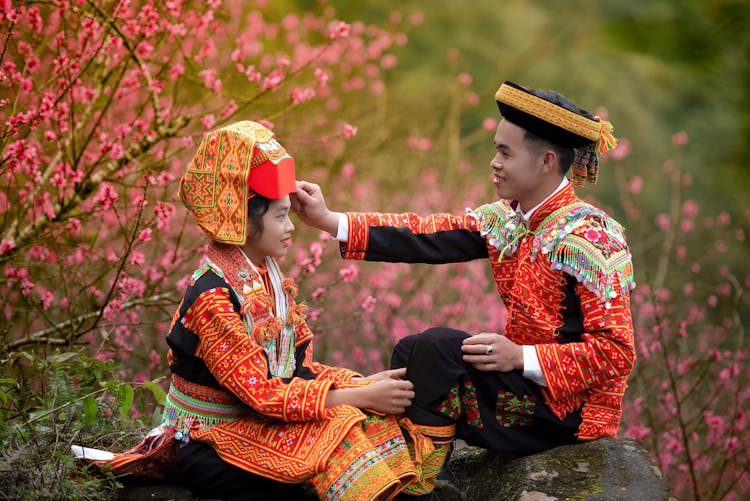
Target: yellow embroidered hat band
(573, 128)
(232, 165)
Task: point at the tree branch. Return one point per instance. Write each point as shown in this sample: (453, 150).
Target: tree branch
(46, 336)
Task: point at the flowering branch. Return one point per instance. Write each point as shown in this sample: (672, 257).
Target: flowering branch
(55, 335)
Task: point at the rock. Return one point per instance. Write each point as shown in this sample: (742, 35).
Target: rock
(608, 469)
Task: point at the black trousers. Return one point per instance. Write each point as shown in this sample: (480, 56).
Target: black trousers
(209, 476)
(500, 411)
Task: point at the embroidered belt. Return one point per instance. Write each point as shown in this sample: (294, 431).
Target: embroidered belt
(189, 402)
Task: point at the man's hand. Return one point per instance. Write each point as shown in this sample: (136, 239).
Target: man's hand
(308, 203)
(489, 351)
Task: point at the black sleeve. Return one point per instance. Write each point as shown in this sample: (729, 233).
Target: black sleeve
(401, 245)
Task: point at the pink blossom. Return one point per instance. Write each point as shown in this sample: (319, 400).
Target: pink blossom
(724, 218)
(210, 80)
(107, 196)
(622, 150)
(73, 226)
(686, 226)
(680, 138)
(638, 432)
(144, 49)
(690, 208)
(47, 299)
(136, 258)
(6, 246)
(377, 87)
(314, 314)
(229, 109)
(635, 184)
(489, 124)
(388, 62)
(164, 212)
(300, 95)
(273, 80)
(368, 304)
(662, 221)
(349, 131)
(464, 79)
(358, 356)
(316, 250)
(35, 19)
(421, 144)
(208, 121)
(349, 273)
(347, 171)
(724, 289)
(322, 76)
(732, 444)
(338, 29)
(155, 358)
(318, 293)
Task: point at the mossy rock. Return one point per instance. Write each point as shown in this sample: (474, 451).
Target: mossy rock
(610, 469)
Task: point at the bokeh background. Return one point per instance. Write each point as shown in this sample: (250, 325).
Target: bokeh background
(389, 106)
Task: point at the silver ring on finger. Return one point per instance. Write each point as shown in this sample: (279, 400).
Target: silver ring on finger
(488, 349)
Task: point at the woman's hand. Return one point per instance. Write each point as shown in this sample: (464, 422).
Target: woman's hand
(389, 374)
(388, 395)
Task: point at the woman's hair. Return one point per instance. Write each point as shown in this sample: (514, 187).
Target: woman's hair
(256, 209)
(564, 153)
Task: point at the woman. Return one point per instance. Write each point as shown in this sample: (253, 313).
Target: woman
(249, 413)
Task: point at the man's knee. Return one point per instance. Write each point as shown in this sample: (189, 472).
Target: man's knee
(434, 338)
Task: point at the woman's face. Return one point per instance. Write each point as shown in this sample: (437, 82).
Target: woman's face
(276, 236)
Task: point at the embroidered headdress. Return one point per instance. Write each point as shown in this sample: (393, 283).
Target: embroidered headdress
(572, 129)
(232, 165)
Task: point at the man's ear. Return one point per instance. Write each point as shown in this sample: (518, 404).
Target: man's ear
(549, 161)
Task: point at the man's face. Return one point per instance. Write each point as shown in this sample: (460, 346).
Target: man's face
(516, 171)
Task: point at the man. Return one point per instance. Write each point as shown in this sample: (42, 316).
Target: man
(562, 268)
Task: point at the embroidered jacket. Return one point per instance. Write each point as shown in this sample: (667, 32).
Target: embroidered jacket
(223, 392)
(564, 278)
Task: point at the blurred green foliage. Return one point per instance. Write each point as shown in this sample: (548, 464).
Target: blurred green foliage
(658, 66)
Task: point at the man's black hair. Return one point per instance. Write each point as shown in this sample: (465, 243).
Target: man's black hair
(564, 153)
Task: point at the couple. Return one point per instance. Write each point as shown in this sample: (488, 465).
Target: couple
(250, 414)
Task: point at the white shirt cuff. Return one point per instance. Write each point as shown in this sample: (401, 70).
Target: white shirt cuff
(531, 367)
(342, 235)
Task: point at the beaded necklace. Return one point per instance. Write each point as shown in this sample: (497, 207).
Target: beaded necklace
(270, 313)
